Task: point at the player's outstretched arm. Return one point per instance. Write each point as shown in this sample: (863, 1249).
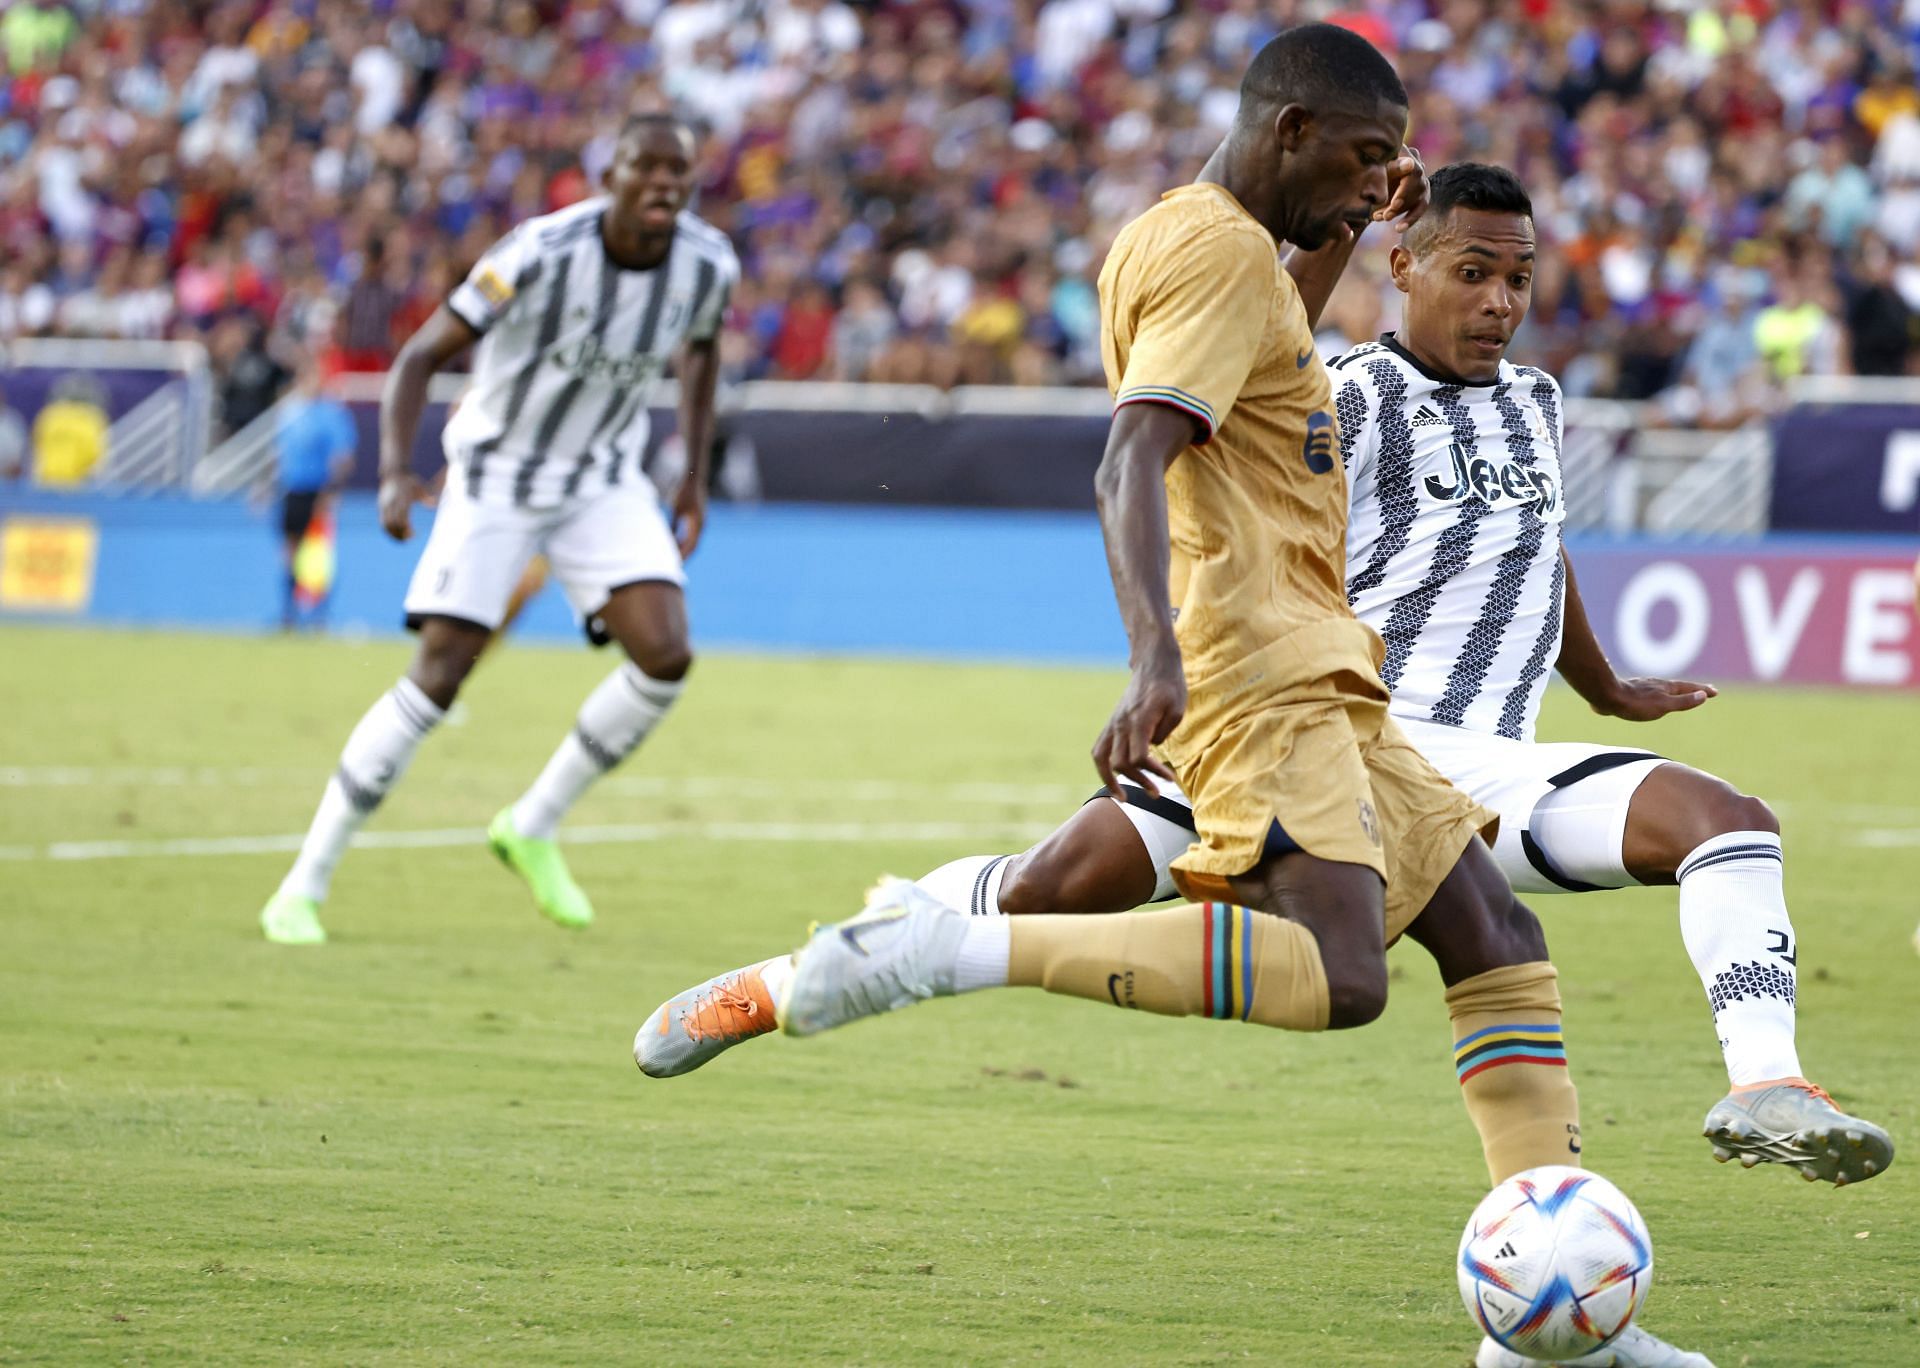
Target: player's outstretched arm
(699, 371)
(1585, 666)
(441, 338)
(1131, 490)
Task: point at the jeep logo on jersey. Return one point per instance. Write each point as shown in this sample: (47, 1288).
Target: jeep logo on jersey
(589, 359)
(1319, 445)
(1496, 484)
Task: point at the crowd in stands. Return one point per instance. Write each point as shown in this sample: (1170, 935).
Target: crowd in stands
(1727, 194)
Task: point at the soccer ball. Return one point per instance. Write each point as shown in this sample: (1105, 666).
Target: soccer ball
(1555, 1262)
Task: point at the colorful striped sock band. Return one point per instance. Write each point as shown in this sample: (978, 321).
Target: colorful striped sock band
(1227, 961)
(1497, 1045)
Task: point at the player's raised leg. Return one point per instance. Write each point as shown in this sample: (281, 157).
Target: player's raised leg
(1108, 857)
(1100, 860)
(1723, 849)
(649, 620)
(377, 753)
(1214, 959)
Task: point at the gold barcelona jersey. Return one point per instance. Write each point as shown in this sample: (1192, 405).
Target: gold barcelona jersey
(1198, 313)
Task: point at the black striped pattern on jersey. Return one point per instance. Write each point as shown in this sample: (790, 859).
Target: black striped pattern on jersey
(1451, 553)
(1393, 474)
(1483, 640)
(623, 414)
(523, 381)
(1513, 712)
(556, 414)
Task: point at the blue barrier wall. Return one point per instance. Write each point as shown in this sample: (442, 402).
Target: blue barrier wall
(1008, 585)
(1003, 584)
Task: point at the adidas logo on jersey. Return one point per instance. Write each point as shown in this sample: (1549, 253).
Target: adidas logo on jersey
(1426, 417)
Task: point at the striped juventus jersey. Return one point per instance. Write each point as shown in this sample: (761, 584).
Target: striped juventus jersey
(1453, 534)
(570, 346)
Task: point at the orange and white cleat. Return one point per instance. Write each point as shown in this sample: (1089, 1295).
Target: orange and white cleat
(690, 1028)
(1790, 1121)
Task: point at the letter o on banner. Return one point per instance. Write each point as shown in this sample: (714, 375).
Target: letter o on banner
(1663, 582)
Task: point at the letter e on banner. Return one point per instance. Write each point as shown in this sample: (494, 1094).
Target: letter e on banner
(1879, 622)
(1667, 582)
(1772, 637)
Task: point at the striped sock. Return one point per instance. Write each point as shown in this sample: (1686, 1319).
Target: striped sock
(1511, 1060)
(376, 755)
(614, 720)
(970, 884)
(1204, 959)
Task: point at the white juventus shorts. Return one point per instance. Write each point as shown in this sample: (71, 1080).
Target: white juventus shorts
(1562, 805)
(477, 552)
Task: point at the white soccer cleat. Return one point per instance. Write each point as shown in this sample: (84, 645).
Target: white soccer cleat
(1790, 1121)
(902, 949)
(1631, 1348)
(692, 1027)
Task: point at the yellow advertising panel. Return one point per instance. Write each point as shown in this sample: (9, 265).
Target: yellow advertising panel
(46, 564)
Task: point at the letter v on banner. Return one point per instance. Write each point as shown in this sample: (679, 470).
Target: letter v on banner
(1771, 637)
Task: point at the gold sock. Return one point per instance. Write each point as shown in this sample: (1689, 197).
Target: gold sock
(1204, 959)
(1512, 1065)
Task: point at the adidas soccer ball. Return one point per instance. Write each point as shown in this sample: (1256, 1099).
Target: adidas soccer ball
(1555, 1262)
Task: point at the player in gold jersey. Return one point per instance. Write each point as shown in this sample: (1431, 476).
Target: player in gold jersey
(1324, 835)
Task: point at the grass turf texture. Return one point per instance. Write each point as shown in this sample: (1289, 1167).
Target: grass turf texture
(426, 1141)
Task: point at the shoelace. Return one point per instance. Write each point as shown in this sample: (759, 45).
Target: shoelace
(1815, 1091)
(727, 1009)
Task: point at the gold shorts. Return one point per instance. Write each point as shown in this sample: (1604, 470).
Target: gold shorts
(1323, 770)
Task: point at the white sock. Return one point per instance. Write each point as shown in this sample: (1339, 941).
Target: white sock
(375, 757)
(984, 951)
(613, 721)
(970, 884)
(1733, 918)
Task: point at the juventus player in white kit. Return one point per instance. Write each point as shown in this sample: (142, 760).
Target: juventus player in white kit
(1454, 556)
(575, 313)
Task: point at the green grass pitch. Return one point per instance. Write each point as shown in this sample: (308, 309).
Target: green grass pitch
(426, 1142)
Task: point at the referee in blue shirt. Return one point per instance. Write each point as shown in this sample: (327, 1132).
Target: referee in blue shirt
(314, 440)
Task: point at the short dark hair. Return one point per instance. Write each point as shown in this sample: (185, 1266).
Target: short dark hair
(652, 118)
(1323, 67)
(1468, 185)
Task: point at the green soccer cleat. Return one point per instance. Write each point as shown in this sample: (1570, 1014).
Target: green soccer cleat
(540, 863)
(289, 919)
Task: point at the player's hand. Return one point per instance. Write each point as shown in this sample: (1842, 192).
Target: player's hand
(398, 495)
(1645, 700)
(1152, 706)
(1408, 190)
(689, 517)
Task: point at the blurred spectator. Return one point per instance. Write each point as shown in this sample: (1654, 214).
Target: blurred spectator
(800, 345)
(949, 171)
(1790, 332)
(1834, 196)
(70, 433)
(1882, 329)
(861, 330)
(251, 377)
(366, 325)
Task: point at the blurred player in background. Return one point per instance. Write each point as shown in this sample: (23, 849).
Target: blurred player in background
(313, 443)
(575, 314)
